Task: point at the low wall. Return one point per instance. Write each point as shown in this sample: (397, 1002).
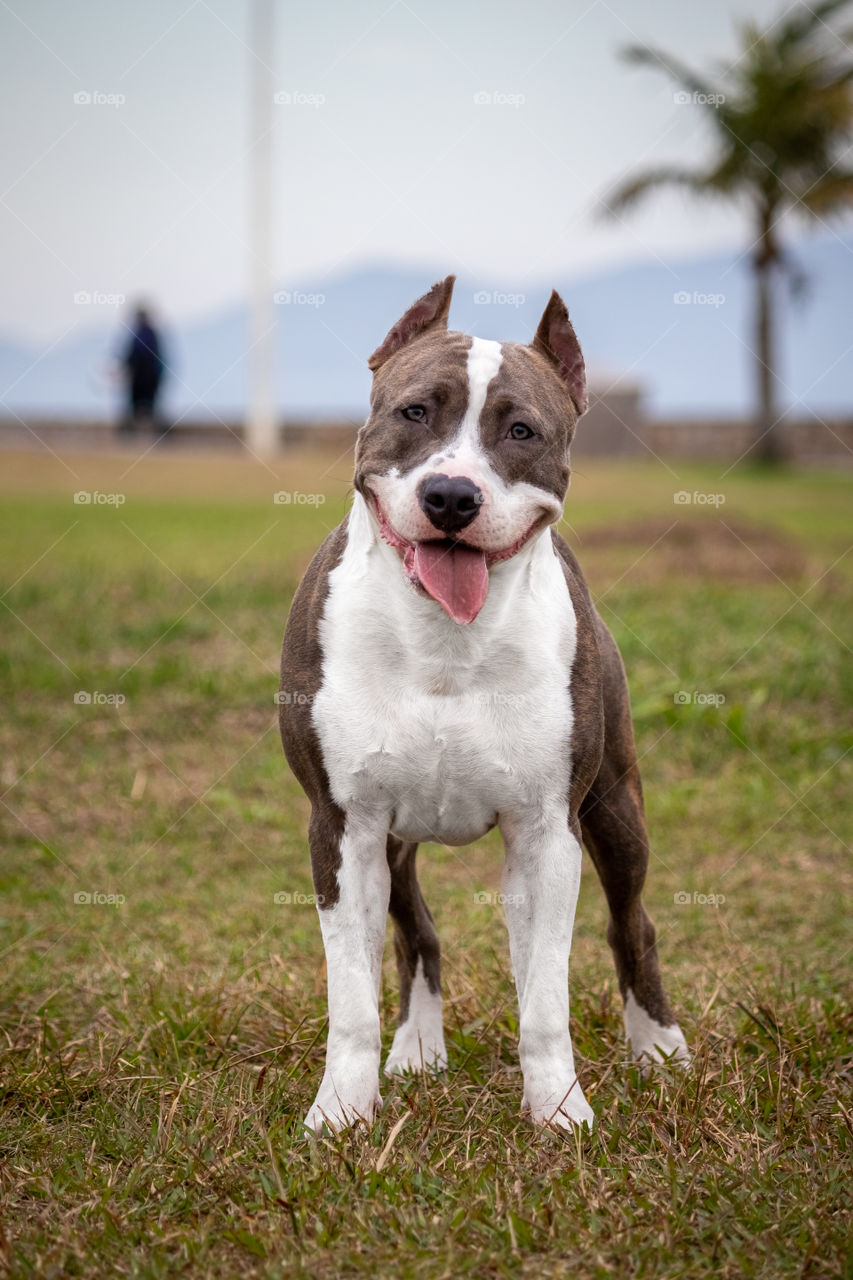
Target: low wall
(613, 427)
(807, 440)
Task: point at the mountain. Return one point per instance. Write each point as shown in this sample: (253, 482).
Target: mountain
(680, 329)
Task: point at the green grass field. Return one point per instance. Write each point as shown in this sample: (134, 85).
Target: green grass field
(159, 1051)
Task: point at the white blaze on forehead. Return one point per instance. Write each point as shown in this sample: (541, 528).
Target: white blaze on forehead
(484, 360)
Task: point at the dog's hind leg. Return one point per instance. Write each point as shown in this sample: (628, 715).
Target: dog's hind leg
(419, 1038)
(614, 831)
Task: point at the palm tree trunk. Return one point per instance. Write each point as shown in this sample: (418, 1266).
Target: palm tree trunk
(768, 436)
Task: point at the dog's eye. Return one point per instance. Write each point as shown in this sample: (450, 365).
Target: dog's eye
(415, 413)
(520, 431)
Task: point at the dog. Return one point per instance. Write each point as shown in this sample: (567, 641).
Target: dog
(444, 672)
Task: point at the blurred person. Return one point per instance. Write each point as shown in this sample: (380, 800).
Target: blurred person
(141, 366)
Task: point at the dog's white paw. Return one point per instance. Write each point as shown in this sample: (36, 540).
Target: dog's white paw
(649, 1041)
(340, 1107)
(573, 1111)
(555, 1097)
(419, 1041)
(413, 1051)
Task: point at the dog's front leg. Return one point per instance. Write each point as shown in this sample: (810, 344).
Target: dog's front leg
(540, 885)
(353, 936)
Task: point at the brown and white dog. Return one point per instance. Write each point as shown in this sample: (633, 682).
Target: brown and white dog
(448, 673)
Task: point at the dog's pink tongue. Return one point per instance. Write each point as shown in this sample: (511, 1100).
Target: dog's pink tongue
(456, 577)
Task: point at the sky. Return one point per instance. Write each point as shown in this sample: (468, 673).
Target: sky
(474, 137)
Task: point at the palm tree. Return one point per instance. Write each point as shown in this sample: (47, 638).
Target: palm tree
(783, 118)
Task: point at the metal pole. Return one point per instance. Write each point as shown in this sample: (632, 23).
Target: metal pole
(261, 427)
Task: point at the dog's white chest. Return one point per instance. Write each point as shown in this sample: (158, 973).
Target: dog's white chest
(442, 727)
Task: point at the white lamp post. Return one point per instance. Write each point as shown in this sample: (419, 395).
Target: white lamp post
(261, 427)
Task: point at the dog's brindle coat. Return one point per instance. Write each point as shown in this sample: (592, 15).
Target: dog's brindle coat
(405, 725)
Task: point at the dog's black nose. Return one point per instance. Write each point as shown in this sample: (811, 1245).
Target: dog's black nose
(449, 502)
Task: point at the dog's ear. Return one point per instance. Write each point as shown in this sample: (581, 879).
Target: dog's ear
(429, 312)
(556, 340)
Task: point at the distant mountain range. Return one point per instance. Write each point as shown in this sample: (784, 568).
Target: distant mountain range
(679, 329)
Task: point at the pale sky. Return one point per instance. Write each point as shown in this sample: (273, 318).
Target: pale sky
(386, 150)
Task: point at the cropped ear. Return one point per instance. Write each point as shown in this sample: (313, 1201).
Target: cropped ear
(429, 312)
(555, 339)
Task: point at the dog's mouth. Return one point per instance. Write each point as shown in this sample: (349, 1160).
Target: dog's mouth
(452, 572)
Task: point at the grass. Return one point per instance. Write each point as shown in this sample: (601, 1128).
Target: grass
(158, 1052)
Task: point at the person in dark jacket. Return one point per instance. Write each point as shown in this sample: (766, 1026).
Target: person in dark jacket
(142, 368)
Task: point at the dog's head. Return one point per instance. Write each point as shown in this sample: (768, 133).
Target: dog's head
(465, 454)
